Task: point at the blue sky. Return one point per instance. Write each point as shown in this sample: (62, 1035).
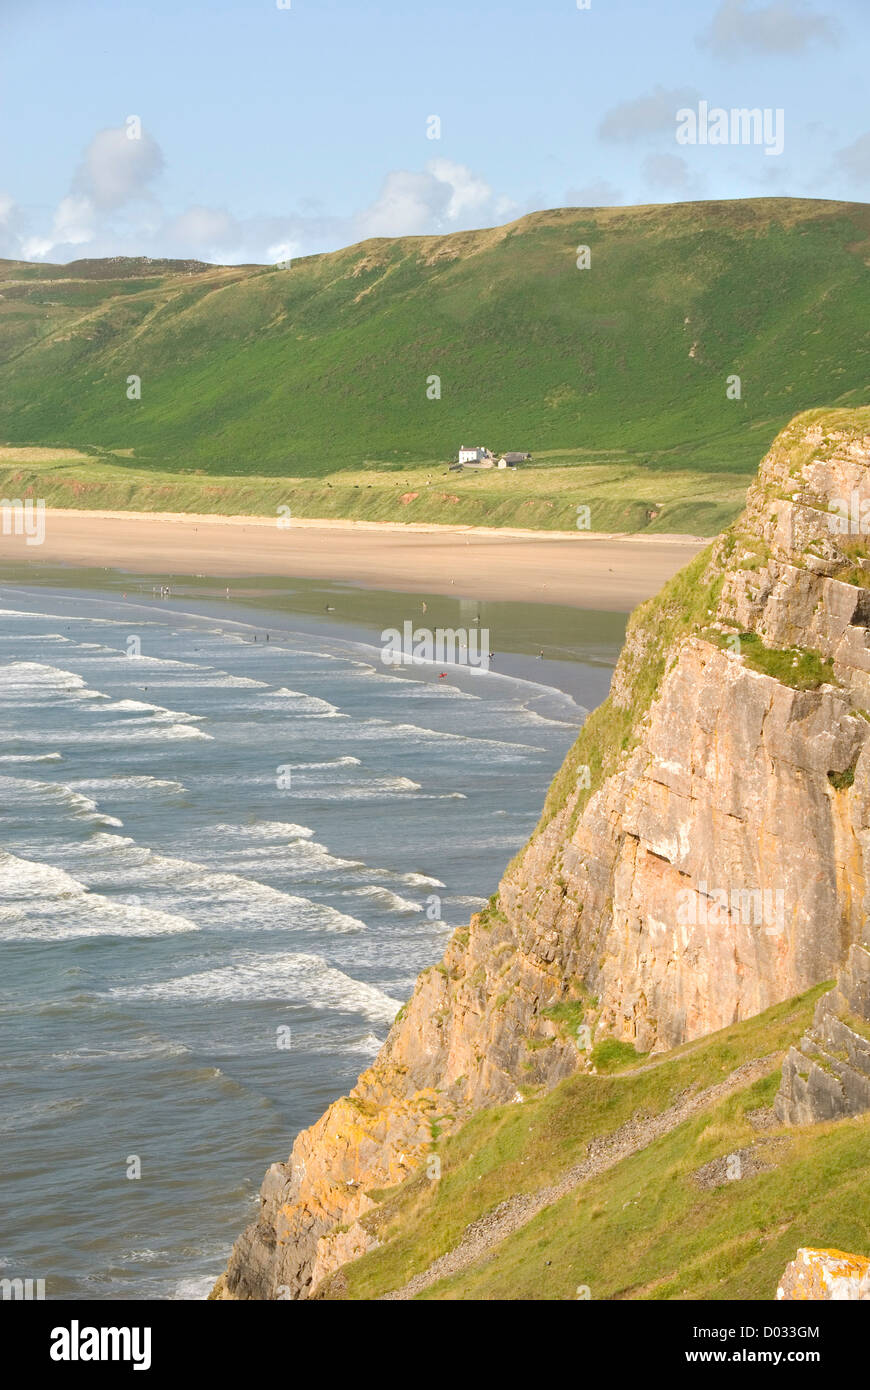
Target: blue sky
(269, 132)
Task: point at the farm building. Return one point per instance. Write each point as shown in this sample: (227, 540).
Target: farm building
(475, 458)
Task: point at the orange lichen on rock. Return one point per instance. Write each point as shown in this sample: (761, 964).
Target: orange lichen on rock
(830, 1274)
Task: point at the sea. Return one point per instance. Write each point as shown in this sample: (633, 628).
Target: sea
(230, 839)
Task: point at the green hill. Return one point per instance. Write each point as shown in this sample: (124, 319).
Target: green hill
(314, 377)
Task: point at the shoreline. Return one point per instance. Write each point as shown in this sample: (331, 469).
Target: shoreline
(393, 527)
(583, 570)
(576, 663)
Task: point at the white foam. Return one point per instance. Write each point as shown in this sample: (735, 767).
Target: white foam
(56, 617)
(151, 663)
(307, 857)
(34, 677)
(122, 786)
(144, 1050)
(156, 711)
(383, 897)
(131, 731)
(421, 880)
(65, 908)
(303, 979)
(25, 878)
(209, 679)
(310, 704)
(266, 830)
(228, 682)
(31, 758)
(330, 762)
(195, 1289)
(382, 728)
(101, 840)
(165, 731)
(238, 900)
(428, 689)
(374, 790)
(367, 1046)
(533, 717)
(26, 788)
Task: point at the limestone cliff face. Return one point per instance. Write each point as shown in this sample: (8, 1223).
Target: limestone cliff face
(705, 853)
(828, 1075)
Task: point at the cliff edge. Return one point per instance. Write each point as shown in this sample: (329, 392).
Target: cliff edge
(702, 856)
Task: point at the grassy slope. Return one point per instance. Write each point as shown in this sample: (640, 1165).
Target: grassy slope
(318, 373)
(644, 1229)
(542, 498)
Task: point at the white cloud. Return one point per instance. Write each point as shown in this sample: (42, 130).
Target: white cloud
(781, 27)
(111, 210)
(438, 199)
(201, 227)
(649, 114)
(11, 227)
(669, 173)
(113, 178)
(407, 205)
(282, 251)
(117, 168)
(469, 193)
(73, 222)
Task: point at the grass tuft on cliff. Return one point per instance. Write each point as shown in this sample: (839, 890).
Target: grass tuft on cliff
(797, 667)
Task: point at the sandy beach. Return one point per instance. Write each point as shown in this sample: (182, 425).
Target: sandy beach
(586, 570)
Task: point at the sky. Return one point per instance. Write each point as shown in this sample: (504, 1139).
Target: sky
(261, 130)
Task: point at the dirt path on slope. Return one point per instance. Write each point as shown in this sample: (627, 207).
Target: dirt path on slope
(602, 1154)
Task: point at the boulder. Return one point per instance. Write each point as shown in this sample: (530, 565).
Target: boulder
(828, 1274)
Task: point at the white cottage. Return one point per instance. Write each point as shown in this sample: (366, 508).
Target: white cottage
(479, 456)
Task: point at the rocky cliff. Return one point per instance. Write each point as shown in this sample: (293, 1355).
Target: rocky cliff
(828, 1075)
(703, 854)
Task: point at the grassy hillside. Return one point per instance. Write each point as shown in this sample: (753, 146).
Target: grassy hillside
(545, 498)
(664, 1221)
(614, 377)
